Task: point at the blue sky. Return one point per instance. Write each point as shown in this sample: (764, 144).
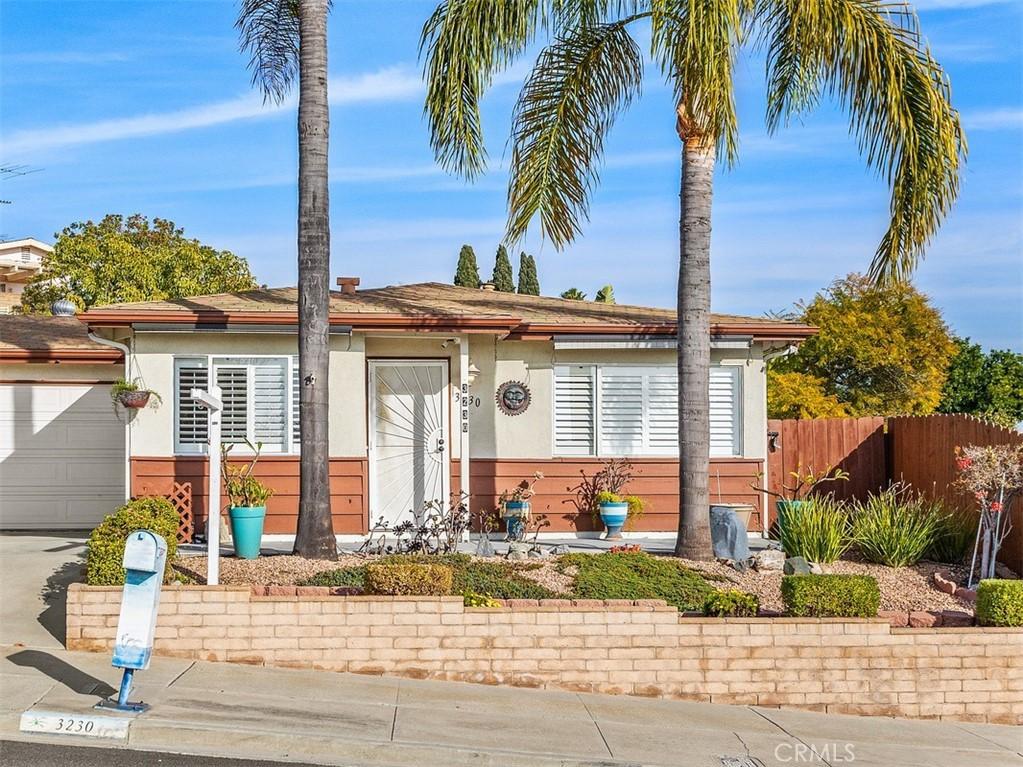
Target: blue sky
(147, 107)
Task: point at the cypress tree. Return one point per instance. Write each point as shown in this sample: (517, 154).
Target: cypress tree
(504, 279)
(529, 283)
(467, 274)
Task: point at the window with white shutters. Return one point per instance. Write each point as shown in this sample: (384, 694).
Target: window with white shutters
(574, 410)
(260, 402)
(617, 410)
(190, 417)
(294, 403)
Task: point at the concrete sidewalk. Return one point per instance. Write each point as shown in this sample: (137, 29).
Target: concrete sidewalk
(341, 719)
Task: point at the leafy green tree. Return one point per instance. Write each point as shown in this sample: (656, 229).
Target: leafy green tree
(287, 41)
(880, 349)
(131, 259)
(869, 55)
(800, 395)
(529, 283)
(503, 279)
(467, 273)
(988, 385)
(606, 295)
(574, 294)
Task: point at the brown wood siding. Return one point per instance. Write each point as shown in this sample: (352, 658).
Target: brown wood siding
(348, 493)
(656, 481)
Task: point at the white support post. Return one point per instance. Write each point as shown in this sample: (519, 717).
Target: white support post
(463, 409)
(214, 404)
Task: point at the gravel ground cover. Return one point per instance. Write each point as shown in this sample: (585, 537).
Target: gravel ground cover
(903, 589)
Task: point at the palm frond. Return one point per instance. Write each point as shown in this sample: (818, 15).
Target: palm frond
(268, 30)
(577, 88)
(695, 42)
(465, 43)
(869, 54)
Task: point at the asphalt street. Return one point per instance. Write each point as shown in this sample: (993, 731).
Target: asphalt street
(13, 754)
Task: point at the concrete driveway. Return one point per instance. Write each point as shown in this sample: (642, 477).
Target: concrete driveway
(35, 569)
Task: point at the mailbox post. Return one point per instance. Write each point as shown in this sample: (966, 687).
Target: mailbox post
(145, 555)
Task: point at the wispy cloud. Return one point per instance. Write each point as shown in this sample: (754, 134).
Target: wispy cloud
(390, 84)
(1007, 118)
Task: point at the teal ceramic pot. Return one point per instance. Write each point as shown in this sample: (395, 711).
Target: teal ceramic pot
(247, 529)
(515, 513)
(613, 515)
(786, 508)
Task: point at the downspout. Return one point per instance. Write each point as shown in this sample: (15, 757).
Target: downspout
(123, 348)
(770, 354)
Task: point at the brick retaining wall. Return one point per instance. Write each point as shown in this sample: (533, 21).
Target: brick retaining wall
(638, 648)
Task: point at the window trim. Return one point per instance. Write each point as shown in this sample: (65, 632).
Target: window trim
(597, 384)
(290, 445)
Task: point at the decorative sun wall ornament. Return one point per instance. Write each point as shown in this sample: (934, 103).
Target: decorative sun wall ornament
(513, 397)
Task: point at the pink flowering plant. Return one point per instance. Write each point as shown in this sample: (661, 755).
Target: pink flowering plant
(993, 474)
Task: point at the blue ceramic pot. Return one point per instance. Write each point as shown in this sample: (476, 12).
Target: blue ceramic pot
(613, 515)
(515, 513)
(247, 530)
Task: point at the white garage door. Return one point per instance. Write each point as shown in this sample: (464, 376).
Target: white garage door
(61, 456)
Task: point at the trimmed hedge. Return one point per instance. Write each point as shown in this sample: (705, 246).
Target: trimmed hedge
(408, 580)
(731, 603)
(347, 577)
(830, 596)
(1000, 603)
(105, 550)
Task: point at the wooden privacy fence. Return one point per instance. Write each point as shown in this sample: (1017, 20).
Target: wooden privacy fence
(875, 451)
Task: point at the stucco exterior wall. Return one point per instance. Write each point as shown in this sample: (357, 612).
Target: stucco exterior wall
(29, 372)
(492, 433)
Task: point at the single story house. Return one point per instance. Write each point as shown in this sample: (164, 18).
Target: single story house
(435, 390)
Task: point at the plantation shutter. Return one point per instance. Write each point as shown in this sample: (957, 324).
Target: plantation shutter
(234, 387)
(270, 403)
(621, 411)
(574, 410)
(661, 416)
(724, 411)
(295, 432)
(191, 418)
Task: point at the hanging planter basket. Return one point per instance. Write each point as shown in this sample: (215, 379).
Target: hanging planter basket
(133, 399)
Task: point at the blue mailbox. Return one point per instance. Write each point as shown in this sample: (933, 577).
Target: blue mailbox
(145, 555)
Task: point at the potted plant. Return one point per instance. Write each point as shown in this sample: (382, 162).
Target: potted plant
(791, 497)
(516, 506)
(603, 496)
(614, 512)
(131, 394)
(247, 498)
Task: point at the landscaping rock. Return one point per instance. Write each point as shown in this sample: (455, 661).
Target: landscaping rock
(484, 548)
(943, 581)
(518, 551)
(561, 548)
(796, 566)
(967, 595)
(816, 569)
(924, 619)
(956, 618)
(897, 618)
(536, 553)
(769, 560)
(1004, 571)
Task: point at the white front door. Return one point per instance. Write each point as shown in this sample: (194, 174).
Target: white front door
(408, 437)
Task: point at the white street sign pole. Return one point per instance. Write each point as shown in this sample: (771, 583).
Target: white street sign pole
(214, 404)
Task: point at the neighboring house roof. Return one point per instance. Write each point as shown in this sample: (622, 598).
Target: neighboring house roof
(434, 305)
(37, 338)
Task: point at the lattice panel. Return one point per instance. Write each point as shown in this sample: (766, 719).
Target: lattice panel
(181, 498)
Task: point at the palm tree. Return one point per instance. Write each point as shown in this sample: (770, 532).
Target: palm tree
(287, 39)
(868, 54)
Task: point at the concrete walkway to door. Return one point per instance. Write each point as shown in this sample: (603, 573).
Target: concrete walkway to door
(35, 569)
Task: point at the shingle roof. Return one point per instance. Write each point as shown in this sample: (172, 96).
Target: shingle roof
(431, 301)
(43, 338)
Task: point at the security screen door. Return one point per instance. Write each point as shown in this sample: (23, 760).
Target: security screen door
(408, 437)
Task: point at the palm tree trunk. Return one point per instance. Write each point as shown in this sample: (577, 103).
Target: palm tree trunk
(315, 534)
(693, 542)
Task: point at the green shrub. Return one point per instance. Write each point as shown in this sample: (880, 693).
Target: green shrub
(830, 596)
(408, 580)
(956, 531)
(895, 527)
(105, 550)
(1000, 603)
(817, 529)
(348, 577)
(472, 599)
(497, 579)
(636, 576)
(731, 603)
